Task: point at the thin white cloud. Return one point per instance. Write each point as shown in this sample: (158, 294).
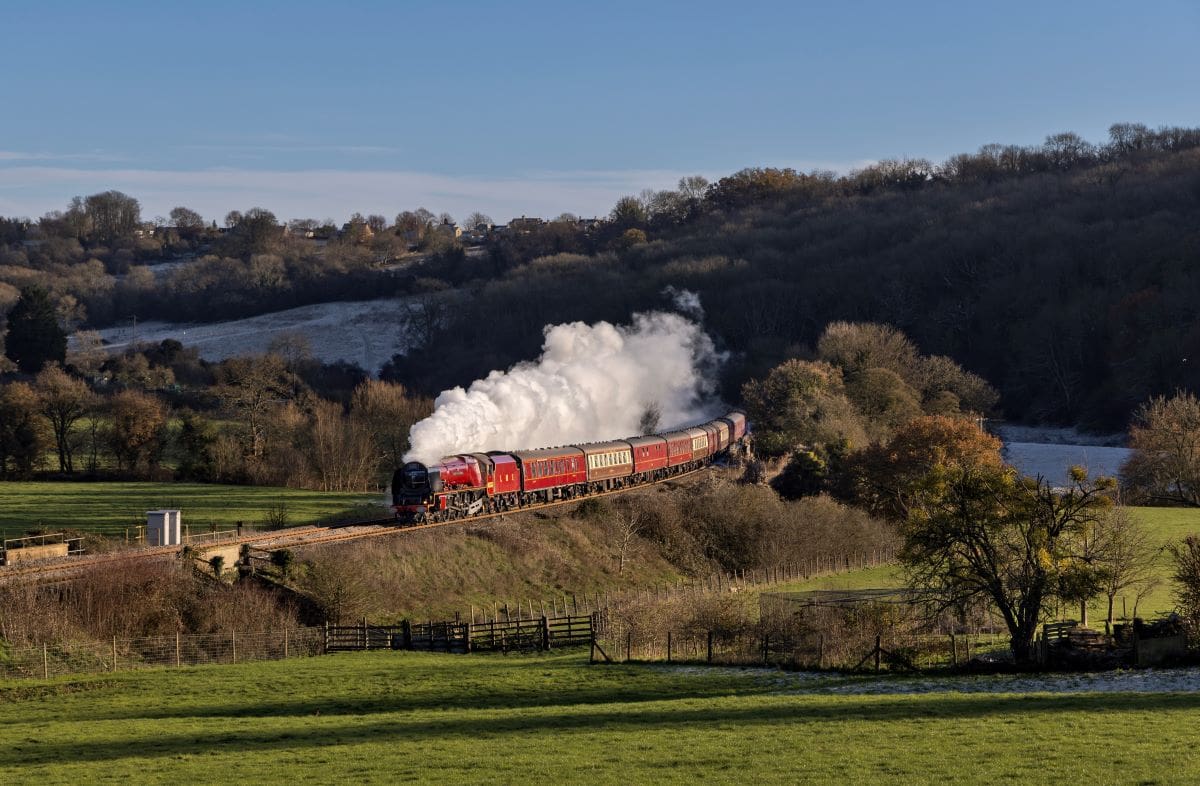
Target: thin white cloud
(296, 148)
(31, 190)
(25, 155)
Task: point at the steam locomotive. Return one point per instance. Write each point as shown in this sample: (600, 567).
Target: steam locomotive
(473, 484)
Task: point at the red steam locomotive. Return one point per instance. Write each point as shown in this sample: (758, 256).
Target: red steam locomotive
(473, 484)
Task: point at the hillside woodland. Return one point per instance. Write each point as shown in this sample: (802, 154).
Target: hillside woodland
(1065, 274)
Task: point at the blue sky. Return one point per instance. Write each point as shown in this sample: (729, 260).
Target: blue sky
(323, 109)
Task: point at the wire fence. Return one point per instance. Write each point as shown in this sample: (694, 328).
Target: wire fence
(890, 651)
(89, 657)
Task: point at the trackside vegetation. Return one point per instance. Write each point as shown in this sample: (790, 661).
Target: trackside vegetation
(393, 717)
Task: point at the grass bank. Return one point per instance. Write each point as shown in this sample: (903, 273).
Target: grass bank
(393, 717)
(108, 508)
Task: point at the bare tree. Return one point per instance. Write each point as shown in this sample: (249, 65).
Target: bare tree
(63, 401)
(340, 588)
(693, 187)
(1165, 437)
(1126, 557)
(250, 388)
(476, 219)
(341, 452)
(87, 354)
(186, 218)
(387, 411)
(426, 312)
(294, 349)
(624, 527)
(137, 430)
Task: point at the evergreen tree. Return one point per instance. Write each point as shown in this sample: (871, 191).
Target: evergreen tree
(34, 336)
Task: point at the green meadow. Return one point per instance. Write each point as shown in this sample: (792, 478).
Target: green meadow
(109, 508)
(388, 717)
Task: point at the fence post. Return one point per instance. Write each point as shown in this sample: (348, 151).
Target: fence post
(177, 652)
(406, 632)
(45, 661)
(325, 641)
(366, 637)
(546, 633)
(628, 643)
(710, 638)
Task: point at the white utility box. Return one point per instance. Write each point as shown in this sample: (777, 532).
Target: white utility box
(164, 528)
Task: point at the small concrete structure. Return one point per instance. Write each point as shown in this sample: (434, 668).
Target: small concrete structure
(35, 553)
(164, 528)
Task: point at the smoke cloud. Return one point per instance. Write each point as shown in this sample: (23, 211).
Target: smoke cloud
(592, 382)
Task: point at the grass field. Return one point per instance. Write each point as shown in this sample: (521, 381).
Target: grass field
(109, 508)
(1167, 526)
(402, 717)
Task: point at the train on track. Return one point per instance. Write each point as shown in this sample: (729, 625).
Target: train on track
(476, 484)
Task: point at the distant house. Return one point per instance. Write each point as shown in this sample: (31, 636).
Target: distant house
(477, 235)
(448, 229)
(357, 231)
(525, 224)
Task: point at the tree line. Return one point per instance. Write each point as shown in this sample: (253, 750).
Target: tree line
(1058, 271)
(160, 412)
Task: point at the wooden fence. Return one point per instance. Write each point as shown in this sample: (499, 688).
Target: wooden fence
(537, 634)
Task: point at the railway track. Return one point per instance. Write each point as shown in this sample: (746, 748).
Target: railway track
(297, 537)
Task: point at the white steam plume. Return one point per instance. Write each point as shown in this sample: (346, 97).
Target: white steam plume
(592, 382)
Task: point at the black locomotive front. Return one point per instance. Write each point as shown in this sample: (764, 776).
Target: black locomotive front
(413, 490)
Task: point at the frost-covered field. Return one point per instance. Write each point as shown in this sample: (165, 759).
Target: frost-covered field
(366, 332)
(1052, 461)
(1141, 681)
(1049, 452)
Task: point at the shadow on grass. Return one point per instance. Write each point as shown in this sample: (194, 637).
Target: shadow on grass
(418, 725)
(475, 692)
